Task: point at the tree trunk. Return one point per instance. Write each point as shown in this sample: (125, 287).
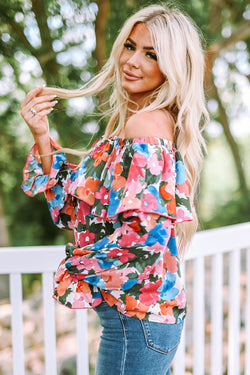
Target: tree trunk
(233, 146)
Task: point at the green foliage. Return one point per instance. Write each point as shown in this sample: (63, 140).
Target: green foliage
(53, 41)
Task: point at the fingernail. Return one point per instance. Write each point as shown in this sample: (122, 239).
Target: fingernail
(51, 109)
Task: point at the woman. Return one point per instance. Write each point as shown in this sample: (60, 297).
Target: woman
(124, 199)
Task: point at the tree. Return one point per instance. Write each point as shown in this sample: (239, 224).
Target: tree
(63, 43)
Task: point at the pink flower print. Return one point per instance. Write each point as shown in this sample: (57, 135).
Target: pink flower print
(149, 202)
(114, 278)
(181, 216)
(183, 188)
(155, 165)
(134, 185)
(168, 169)
(55, 213)
(86, 238)
(130, 202)
(67, 184)
(170, 262)
(123, 254)
(145, 274)
(140, 160)
(181, 300)
(103, 195)
(134, 172)
(170, 319)
(129, 238)
(149, 295)
(83, 263)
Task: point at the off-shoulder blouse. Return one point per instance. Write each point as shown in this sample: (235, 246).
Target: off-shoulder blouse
(122, 202)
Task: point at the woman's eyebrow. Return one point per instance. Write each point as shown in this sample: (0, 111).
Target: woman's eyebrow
(133, 42)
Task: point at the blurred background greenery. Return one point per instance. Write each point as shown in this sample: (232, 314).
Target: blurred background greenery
(64, 43)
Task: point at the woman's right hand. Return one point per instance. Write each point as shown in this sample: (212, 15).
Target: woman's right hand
(35, 109)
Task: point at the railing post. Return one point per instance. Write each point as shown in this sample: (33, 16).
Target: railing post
(49, 324)
(82, 342)
(247, 316)
(234, 314)
(217, 314)
(179, 361)
(198, 316)
(16, 299)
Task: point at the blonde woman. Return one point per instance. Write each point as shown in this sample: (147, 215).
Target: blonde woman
(132, 187)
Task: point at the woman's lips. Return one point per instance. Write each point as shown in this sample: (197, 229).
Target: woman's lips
(129, 76)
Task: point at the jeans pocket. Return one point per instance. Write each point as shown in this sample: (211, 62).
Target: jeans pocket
(162, 337)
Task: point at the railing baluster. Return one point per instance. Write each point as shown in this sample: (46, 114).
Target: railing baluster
(179, 362)
(198, 316)
(234, 314)
(49, 324)
(216, 314)
(247, 322)
(82, 342)
(16, 298)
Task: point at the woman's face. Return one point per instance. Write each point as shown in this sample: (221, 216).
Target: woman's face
(139, 69)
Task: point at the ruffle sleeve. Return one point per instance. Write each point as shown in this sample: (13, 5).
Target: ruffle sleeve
(54, 185)
(34, 179)
(144, 174)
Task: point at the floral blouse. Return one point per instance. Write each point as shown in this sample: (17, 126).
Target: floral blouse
(122, 202)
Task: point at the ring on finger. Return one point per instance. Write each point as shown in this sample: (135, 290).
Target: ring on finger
(33, 111)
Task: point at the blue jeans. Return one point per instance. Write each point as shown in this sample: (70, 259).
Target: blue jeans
(131, 346)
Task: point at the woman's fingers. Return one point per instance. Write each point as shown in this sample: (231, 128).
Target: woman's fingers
(37, 108)
(32, 94)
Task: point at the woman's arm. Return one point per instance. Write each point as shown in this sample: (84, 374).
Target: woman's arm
(34, 110)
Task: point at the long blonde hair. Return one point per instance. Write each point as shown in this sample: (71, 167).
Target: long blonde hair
(181, 60)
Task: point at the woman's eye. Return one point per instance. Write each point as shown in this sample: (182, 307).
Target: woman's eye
(151, 55)
(129, 46)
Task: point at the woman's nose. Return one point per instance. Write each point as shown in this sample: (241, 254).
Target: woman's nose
(134, 60)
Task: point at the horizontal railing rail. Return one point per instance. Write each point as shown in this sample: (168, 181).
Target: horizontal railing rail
(215, 244)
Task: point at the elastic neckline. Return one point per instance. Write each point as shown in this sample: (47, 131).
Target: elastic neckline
(149, 140)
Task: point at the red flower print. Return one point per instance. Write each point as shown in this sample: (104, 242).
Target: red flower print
(83, 210)
(140, 160)
(123, 254)
(149, 295)
(86, 238)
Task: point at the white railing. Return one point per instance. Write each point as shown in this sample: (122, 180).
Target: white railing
(217, 315)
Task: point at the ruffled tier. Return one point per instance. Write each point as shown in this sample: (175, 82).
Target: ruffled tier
(119, 175)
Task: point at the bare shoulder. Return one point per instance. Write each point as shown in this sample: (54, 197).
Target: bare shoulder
(157, 123)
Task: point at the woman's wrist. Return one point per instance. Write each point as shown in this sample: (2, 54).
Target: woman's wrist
(44, 149)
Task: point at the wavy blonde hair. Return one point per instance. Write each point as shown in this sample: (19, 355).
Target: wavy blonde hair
(177, 43)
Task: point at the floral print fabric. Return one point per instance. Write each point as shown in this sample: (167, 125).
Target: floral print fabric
(122, 202)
